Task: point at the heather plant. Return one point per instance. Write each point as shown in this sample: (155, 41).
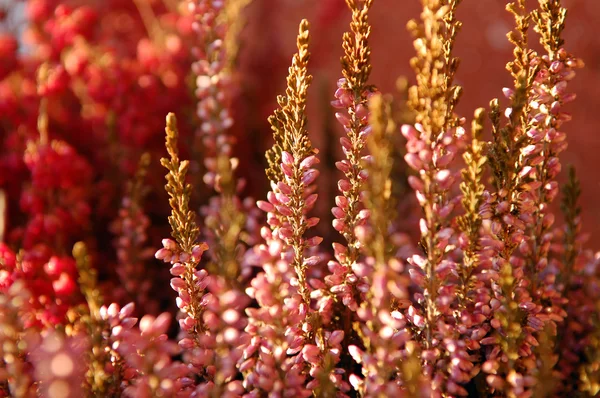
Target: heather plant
(494, 294)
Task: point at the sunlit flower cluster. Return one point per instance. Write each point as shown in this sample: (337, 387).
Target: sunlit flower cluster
(484, 289)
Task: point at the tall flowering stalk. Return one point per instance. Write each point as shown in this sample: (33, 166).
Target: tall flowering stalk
(131, 230)
(183, 253)
(432, 144)
(228, 221)
(515, 316)
(470, 223)
(105, 325)
(215, 82)
(213, 85)
(99, 381)
(510, 302)
(290, 165)
(386, 361)
(211, 309)
(546, 118)
(577, 343)
(296, 342)
(351, 98)
(217, 24)
(473, 312)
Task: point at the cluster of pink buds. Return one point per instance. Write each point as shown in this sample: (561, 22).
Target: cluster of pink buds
(583, 292)
(270, 361)
(131, 231)
(546, 142)
(212, 322)
(510, 296)
(148, 352)
(431, 159)
(282, 330)
(384, 327)
(282, 196)
(349, 211)
(346, 283)
(171, 253)
(118, 319)
(445, 359)
(435, 156)
(214, 85)
(188, 282)
(221, 344)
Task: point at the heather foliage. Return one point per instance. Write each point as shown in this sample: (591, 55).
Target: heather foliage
(490, 293)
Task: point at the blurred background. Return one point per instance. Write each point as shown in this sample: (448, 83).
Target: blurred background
(482, 46)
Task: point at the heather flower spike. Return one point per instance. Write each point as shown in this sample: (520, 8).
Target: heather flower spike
(182, 219)
(97, 379)
(217, 25)
(104, 325)
(432, 145)
(386, 359)
(214, 90)
(293, 196)
(286, 331)
(131, 230)
(509, 211)
(351, 96)
(211, 309)
(470, 223)
(546, 119)
(183, 253)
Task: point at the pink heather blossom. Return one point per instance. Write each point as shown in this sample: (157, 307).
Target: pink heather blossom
(445, 358)
(500, 298)
(548, 141)
(132, 254)
(148, 354)
(214, 85)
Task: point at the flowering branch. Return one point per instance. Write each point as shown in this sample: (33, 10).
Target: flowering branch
(432, 145)
(131, 229)
(470, 223)
(351, 97)
(515, 316)
(297, 343)
(294, 197)
(382, 326)
(546, 119)
(218, 25)
(183, 253)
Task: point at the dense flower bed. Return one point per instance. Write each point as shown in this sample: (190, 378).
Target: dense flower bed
(447, 269)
